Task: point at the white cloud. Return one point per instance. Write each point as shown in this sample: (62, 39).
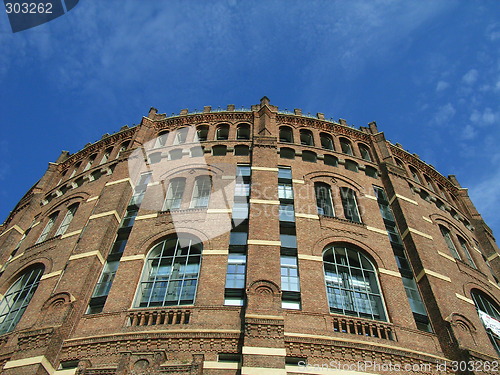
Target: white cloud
(470, 77)
(486, 117)
(444, 114)
(442, 85)
(469, 133)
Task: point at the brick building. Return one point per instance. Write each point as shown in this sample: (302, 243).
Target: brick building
(247, 241)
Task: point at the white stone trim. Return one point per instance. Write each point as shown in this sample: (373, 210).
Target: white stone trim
(215, 252)
(264, 242)
(427, 219)
(463, 298)
(148, 216)
(376, 230)
(371, 197)
(52, 274)
(120, 181)
(219, 211)
(253, 168)
(310, 257)
(491, 257)
(447, 256)
(15, 227)
(403, 198)
(264, 201)
(96, 216)
(297, 181)
(389, 272)
(31, 361)
(221, 365)
(133, 257)
(411, 230)
(88, 254)
(307, 216)
(431, 273)
(260, 350)
(92, 198)
(74, 233)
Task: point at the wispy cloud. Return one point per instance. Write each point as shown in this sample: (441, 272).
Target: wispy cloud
(484, 117)
(441, 86)
(444, 114)
(470, 77)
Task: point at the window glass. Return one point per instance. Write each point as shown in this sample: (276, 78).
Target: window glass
(330, 160)
(285, 190)
(236, 270)
(466, 251)
(170, 274)
(17, 298)
(175, 192)
(365, 153)
(352, 284)
(489, 313)
(289, 274)
(326, 141)
(346, 146)
(286, 213)
(201, 192)
(67, 219)
(47, 228)
(161, 139)
(286, 134)
(180, 136)
(309, 156)
(449, 242)
(202, 133)
(306, 137)
(349, 204)
(222, 132)
(287, 153)
(324, 199)
(284, 173)
(243, 131)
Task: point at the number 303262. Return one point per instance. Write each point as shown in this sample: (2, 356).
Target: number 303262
(28, 8)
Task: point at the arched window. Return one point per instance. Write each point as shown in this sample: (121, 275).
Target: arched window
(180, 136)
(170, 274)
(105, 156)
(75, 169)
(351, 281)
(441, 191)
(331, 160)
(243, 131)
(175, 154)
(286, 134)
(371, 172)
(174, 194)
(399, 163)
(18, 297)
(287, 153)
(202, 133)
(351, 165)
(309, 156)
(324, 199)
(201, 192)
(161, 139)
(123, 147)
(428, 181)
(414, 175)
(241, 150)
(365, 152)
(449, 242)
(465, 249)
(306, 137)
(48, 227)
(326, 141)
(90, 162)
(222, 132)
(346, 146)
(489, 313)
(219, 150)
(350, 204)
(67, 219)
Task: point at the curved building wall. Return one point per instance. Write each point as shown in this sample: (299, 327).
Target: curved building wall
(246, 241)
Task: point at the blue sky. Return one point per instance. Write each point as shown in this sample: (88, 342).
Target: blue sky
(427, 71)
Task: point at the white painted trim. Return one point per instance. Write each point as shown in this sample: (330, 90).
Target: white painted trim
(411, 230)
(133, 257)
(120, 181)
(381, 231)
(431, 273)
(29, 362)
(427, 219)
(298, 181)
(92, 199)
(52, 274)
(260, 350)
(88, 254)
(310, 257)
(264, 169)
(215, 252)
(96, 216)
(371, 197)
(403, 198)
(491, 257)
(264, 201)
(463, 298)
(307, 216)
(65, 235)
(264, 242)
(389, 272)
(15, 227)
(447, 256)
(148, 216)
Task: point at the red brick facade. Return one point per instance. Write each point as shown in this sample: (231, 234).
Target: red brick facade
(68, 327)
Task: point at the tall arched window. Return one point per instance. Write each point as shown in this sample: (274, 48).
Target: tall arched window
(90, 162)
(324, 199)
(18, 297)
(414, 175)
(243, 131)
(202, 133)
(161, 139)
(306, 137)
(123, 147)
(326, 141)
(351, 283)
(201, 192)
(48, 227)
(180, 136)
(490, 316)
(170, 274)
(346, 146)
(222, 132)
(365, 152)
(105, 156)
(286, 134)
(350, 204)
(174, 194)
(67, 219)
